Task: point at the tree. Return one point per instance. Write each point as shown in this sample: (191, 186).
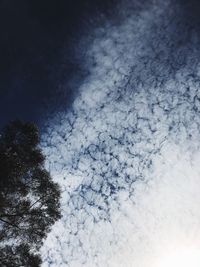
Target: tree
(29, 199)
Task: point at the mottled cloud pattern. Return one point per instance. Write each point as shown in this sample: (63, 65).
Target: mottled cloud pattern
(127, 152)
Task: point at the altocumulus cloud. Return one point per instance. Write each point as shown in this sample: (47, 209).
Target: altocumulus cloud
(127, 152)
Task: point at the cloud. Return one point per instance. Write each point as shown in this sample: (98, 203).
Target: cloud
(126, 154)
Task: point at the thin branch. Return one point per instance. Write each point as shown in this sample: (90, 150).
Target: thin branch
(11, 224)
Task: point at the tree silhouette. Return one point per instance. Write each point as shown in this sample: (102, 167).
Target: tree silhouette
(29, 199)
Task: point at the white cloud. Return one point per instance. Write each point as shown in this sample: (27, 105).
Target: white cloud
(126, 154)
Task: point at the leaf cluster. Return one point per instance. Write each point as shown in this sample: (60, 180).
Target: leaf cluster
(29, 199)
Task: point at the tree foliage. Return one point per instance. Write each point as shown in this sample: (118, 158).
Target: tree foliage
(29, 199)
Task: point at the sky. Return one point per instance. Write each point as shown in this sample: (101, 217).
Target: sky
(118, 104)
(37, 49)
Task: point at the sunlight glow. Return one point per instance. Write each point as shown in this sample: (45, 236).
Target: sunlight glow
(182, 258)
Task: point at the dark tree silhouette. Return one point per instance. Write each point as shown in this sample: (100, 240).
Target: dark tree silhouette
(29, 199)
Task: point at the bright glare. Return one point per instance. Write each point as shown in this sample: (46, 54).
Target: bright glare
(182, 258)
